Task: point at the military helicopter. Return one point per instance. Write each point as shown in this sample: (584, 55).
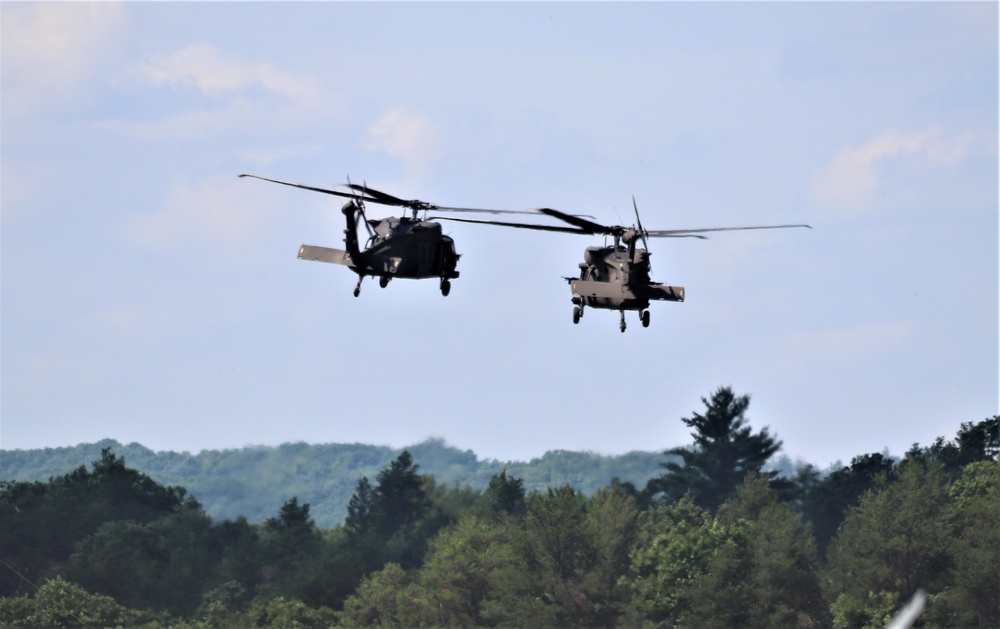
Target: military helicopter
(398, 247)
(617, 277)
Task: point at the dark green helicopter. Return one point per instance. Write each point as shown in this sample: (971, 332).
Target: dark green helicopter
(405, 247)
(616, 277)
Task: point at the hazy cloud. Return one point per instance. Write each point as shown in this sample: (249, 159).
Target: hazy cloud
(237, 95)
(855, 343)
(410, 137)
(269, 155)
(51, 47)
(852, 177)
(209, 211)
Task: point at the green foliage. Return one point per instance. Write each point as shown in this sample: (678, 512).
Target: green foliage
(870, 611)
(826, 502)
(753, 565)
(974, 442)
(162, 565)
(725, 450)
(612, 524)
(505, 495)
(781, 574)
(41, 523)
(289, 614)
(476, 575)
(60, 604)
(676, 547)
(969, 599)
(894, 542)
(379, 601)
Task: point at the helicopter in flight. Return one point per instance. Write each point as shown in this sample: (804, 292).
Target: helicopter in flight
(406, 247)
(616, 277)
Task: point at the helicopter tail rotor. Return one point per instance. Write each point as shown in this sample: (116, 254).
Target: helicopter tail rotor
(638, 224)
(359, 202)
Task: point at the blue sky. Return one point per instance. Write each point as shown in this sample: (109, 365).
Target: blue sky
(150, 295)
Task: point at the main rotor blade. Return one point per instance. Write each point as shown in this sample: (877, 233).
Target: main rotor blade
(585, 226)
(346, 195)
(415, 204)
(548, 228)
(674, 233)
(386, 199)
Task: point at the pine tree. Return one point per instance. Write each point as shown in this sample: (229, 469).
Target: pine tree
(725, 450)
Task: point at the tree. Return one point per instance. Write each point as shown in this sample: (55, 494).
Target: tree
(477, 574)
(612, 525)
(725, 450)
(505, 495)
(162, 565)
(676, 548)
(782, 575)
(41, 523)
(974, 442)
(361, 508)
(826, 503)
(971, 597)
(377, 601)
(893, 543)
(400, 498)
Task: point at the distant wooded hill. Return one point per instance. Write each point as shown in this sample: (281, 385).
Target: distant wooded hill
(255, 481)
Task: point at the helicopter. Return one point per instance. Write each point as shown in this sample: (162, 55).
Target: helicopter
(405, 247)
(617, 277)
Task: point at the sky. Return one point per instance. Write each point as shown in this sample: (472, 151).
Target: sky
(150, 295)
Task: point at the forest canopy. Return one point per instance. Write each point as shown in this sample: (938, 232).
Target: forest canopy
(712, 538)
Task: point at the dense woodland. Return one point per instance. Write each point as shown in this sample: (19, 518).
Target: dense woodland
(254, 481)
(714, 539)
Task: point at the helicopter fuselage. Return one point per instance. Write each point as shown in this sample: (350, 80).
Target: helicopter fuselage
(612, 279)
(399, 247)
(408, 248)
(617, 278)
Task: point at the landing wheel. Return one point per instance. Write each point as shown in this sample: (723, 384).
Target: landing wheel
(644, 315)
(445, 287)
(621, 325)
(357, 291)
(383, 281)
(577, 313)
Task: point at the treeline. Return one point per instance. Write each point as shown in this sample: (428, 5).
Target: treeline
(254, 481)
(714, 540)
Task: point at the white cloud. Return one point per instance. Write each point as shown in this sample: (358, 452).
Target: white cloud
(852, 177)
(215, 74)
(237, 95)
(410, 137)
(50, 48)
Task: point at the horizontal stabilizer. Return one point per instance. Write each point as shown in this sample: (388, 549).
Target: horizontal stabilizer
(661, 292)
(325, 254)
